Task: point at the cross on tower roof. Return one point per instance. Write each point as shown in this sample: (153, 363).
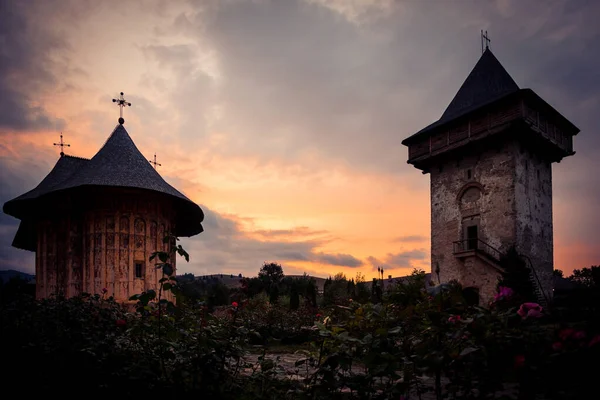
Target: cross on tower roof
(62, 145)
(154, 162)
(121, 103)
(485, 38)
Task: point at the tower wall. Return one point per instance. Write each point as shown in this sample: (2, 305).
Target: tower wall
(533, 195)
(485, 199)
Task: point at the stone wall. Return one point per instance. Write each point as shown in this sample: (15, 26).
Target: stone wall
(533, 195)
(476, 188)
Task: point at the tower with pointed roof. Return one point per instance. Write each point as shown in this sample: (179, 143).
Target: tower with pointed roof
(93, 224)
(490, 159)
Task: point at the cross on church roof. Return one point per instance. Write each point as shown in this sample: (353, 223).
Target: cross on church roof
(154, 162)
(62, 145)
(121, 103)
(485, 38)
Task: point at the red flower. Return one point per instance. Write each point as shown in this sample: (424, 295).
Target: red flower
(519, 361)
(121, 323)
(318, 315)
(234, 304)
(557, 346)
(565, 333)
(454, 319)
(595, 340)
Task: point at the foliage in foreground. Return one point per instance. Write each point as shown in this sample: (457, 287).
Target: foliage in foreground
(410, 345)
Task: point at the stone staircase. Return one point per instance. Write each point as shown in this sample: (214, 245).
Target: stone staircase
(493, 256)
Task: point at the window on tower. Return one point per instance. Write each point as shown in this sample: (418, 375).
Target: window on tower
(139, 269)
(469, 174)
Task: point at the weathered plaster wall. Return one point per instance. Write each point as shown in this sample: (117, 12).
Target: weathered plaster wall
(488, 199)
(533, 195)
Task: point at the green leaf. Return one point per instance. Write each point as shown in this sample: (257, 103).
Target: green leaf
(167, 286)
(163, 256)
(467, 350)
(395, 330)
(168, 269)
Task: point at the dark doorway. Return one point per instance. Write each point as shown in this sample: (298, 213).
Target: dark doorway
(472, 237)
(471, 295)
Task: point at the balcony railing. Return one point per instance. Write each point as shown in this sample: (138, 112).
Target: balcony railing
(468, 245)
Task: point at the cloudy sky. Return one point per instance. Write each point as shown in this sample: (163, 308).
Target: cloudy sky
(284, 119)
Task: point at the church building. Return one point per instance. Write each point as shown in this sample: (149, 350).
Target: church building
(93, 223)
(490, 159)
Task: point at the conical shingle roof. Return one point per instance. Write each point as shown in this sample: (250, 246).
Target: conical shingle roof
(487, 82)
(118, 163)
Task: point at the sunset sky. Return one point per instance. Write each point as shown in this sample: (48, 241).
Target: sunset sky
(284, 119)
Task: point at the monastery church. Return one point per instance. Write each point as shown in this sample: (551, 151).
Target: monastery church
(93, 224)
(490, 158)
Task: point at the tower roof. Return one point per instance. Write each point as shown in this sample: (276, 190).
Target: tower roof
(118, 163)
(487, 82)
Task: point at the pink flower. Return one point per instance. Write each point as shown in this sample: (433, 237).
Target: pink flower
(531, 310)
(454, 319)
(350, 300)
(318, 315)
(121, 323)
(234, 304)
(104, 290)
(503, 293)
(557, 346)
(595, 340)
(579, 335)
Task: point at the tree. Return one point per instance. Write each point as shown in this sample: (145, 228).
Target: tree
(271, 273)
(588, 277)
(294, 298)
(559, 273)
(517, 275)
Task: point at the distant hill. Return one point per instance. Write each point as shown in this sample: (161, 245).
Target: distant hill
(9, 274)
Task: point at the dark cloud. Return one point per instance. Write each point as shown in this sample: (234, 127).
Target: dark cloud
(25, 68)
(343, 260)
(225, 247)
(404, 259)
(301, 231)
(16, 177)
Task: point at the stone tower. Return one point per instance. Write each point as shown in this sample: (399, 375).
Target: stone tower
(93, 224)
(490, 159)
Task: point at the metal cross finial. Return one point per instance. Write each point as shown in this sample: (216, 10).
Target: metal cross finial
(62, 145)
(121, 103)
(154, 162)
(485, 38)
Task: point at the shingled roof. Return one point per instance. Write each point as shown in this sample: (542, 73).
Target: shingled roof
(118, 163)
(487, 82)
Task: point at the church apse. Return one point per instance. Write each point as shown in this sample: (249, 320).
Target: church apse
(94, 223)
